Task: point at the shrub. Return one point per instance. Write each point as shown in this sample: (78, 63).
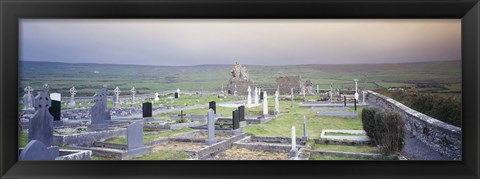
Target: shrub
(368, 122)
(389, 132)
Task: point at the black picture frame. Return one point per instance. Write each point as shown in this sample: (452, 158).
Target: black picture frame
(12, 10)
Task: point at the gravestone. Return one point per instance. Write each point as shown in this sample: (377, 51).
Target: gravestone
(309, 87)
(133, 91)
(135, 144)
(28, 99)
(236, 119)
(72, 91)
(293, 151)
(261, 95)
(36, 150)
(41, 124)
(288, 82)
(99, 111)
(256, 96)
(176, 95)
(116, 97)
(249, 97)
(305, 135)
(147, 109)
(56, 106)
(265, 103)
(213, 105)
(363, 97)
(46, 87)
(156, 97)
(211, 127)
(291, 97)
(241, 111)
(318, 90)
(277, 103)
(356, 88)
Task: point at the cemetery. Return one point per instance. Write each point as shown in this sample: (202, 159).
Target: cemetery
(243, 121)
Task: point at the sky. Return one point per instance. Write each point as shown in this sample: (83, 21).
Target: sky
(186, 42)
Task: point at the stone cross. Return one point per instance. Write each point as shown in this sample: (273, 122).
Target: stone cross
(211, 127)
(46, 87)
(318, 89)
(41, 124)
(265, 103)
(277, 103)
(99, 112)
(249, 97)
(356, 88)
(256, 96)
(305, 135)
(28, 99)
(117, 94)
(133, 91)
(291, 97)
(73, 91)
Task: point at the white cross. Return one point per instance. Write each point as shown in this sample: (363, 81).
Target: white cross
(45, 87)
(133, 90)
(73, 91)
(117, 91)
(28, 90)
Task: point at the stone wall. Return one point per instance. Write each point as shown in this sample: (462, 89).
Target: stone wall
(285, 83)
(440, 136)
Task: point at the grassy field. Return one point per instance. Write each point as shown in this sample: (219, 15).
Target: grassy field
(444, 76)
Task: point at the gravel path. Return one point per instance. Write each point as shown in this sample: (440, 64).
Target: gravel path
(414, 149)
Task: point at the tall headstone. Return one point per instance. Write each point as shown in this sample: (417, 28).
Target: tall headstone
(28, 99)
(277, 103)
(147, 109)
(363, 97)
(303, 91)
(293, 151)
(291, 97)
(305, 135)
(133, 91)
(236, 119)
(241, 111)
(211, 127)
(178, 92)
(116, 98)
(331, 92)
(213, 105)
(356, 89)
(135, 143)
(235, 90)
(56, 106)
(73, 91)
(40, 126)
(318, 90)
(249, 97)
(156, 97)
(46, 87)
(265, 103)
(256, 96)
(355, 104)
(99, 112)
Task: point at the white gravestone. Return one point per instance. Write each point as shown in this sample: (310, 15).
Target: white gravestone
(116, 100)
(256, 96)
(133, 91)
(294, 141)
(277, 103)
(28, 99)
(291, 97)
(331, 92)
(356, 89)
(305, 135)
(156, 97)
(265, 103)
(73, 91)
(249, 97)
(178, 91)
(46, 87)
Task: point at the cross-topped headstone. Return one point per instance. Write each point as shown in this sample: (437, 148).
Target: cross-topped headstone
(116, 98)
(156, 97)
(249, 97)
(277, 103)
(256, 96)
(99, 111)
(46, 87)
(133, 91)
(28, 99)
(265, 103)
(73, 91)
(356, 88)
(211, 127)
(41, 124)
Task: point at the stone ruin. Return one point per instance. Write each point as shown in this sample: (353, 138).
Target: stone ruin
(309, 87)
(239, 82)
(286, 83)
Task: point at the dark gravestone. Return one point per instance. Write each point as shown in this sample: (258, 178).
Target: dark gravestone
(213, 105)
(99, 111)
(261, 96)
(241, 111)
(236, 119)
(355, 104)
(176, 95)
(41, 124)
(36, 150)
(55, 110)
(344, 101)
(147, 109)
(135, 143)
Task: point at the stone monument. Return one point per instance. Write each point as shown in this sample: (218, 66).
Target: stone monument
(265, 103)
(73, 91)
(28, 99)
(99, 111)
(239, 81)
(133, 91)
(249, 97)
(277, 103)
(356, 88)
(116, 99)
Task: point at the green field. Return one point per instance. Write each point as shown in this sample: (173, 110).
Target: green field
(434, 76)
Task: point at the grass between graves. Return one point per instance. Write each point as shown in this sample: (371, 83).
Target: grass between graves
(281, 126)
(164, 155)
(334, 157)
(150, 138)
(345, 148)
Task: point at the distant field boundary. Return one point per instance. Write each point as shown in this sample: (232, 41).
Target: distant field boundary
(440, 136)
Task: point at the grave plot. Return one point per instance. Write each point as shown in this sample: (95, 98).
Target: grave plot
(342, 114)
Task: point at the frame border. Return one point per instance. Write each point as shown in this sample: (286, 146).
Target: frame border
(12, 10)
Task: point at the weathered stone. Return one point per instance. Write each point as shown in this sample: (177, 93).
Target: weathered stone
(41, 124)
(99, 111)
(286, 83)
(36, 150)
(28, 99)
(211, 127)
(239, 81)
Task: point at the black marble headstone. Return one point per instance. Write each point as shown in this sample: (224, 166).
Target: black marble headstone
(241, 111)
(55, 110)
(344, 101)
(261, 95)
(176, 95)
(355, 104)
(236, 119)
(147, 109)
(213, 105)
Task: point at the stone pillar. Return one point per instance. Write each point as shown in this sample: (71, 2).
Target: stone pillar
(277, 103)
(265, 103)
(256, 96)
(293, 151)
(305, 135)
(356, 89)
(249, 97)
(291, 97)
(211, 127)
